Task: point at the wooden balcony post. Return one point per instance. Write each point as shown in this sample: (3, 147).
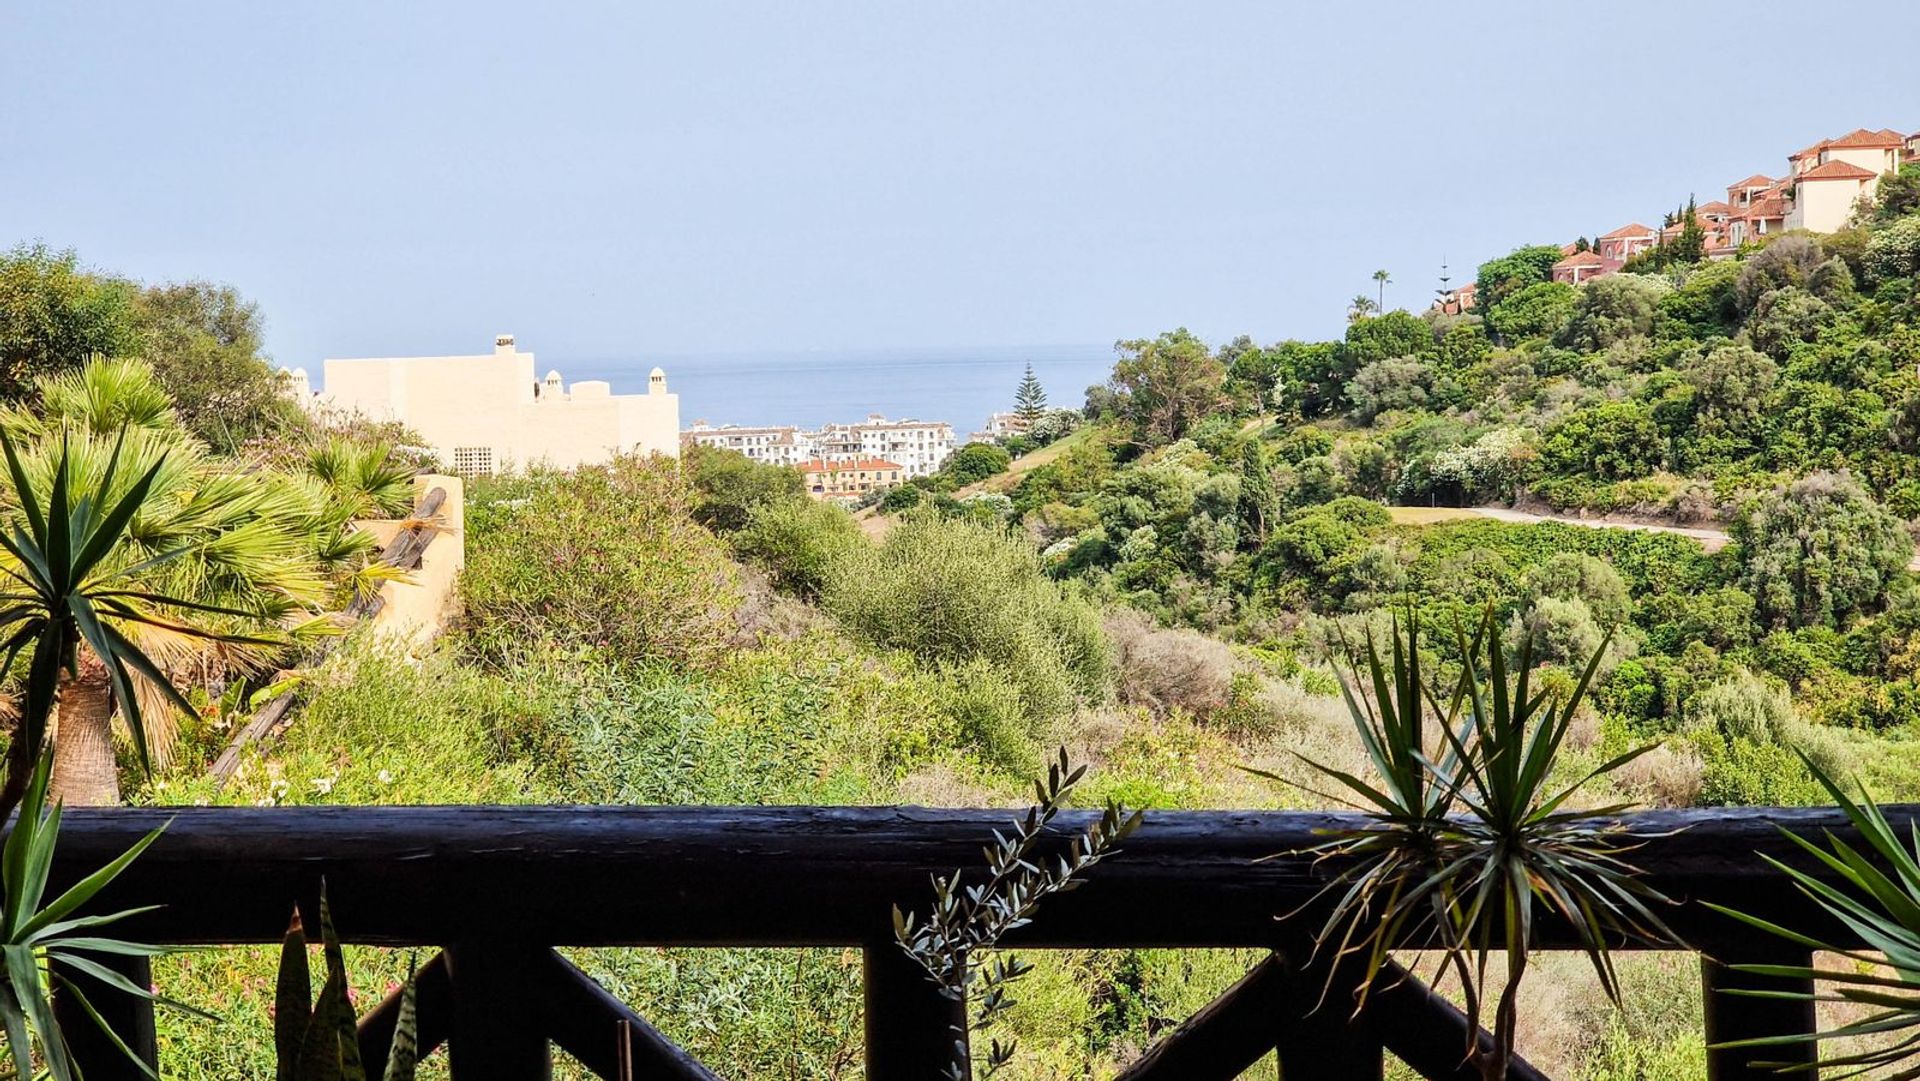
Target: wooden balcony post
(496, 1032)
(912, 1029)
(131, 1019)
(1320, 1039)
(1741, 1017)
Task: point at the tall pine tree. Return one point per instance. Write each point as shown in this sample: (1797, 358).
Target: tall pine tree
(1029, 400)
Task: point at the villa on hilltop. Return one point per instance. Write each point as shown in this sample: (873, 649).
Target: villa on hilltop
(1823, 186)
(485, 413)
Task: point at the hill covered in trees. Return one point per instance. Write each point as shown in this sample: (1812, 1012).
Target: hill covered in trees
(1157, 582)
(1247, 491)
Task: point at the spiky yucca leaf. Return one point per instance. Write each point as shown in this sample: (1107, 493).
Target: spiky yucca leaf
(1877, 898)
(38, 940)
(292, 1011)
(318, 1040)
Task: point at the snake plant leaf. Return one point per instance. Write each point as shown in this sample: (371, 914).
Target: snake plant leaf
(405, 1056)
(292, 1004)
(324, 1055)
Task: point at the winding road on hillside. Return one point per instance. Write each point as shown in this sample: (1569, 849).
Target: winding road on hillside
(1711, 539)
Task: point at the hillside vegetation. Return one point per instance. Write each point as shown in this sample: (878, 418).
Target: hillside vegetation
(1161, 590)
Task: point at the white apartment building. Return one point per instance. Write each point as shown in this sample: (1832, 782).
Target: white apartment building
(488, 412)
(918, 447)
(777, 445)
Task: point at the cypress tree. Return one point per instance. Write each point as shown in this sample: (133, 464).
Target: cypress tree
(1691, 247)
(1259, 506)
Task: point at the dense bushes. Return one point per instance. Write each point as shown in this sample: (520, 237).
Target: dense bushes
(799, 542)
(605, 560)
(950, 591)
(729, 486)
(1819, 552)
(975, 462)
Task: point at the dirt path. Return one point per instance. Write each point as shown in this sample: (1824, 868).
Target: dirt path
(1711, 539)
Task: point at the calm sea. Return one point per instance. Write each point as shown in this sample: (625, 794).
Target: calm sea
(959, 386)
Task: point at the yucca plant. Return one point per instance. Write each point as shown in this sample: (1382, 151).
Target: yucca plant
(1468, 840)
(43, 940)
(315, 1039)
(1877, 897)
(1397, 717)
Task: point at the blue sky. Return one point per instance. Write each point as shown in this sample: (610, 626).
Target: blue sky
(619, 179)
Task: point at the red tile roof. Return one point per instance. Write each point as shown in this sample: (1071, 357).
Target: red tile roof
(1837, 170)
(1757, 180)
(1773, 206)
(1715, 207)
(1579, 259)
(1636, 229)
(1863, 139)
(869, 464)
(1809, 151)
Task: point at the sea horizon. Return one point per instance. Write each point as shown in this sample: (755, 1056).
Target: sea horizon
(961, 385)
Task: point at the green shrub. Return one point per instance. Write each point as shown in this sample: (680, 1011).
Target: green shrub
(606, 558)
(975, 462)
(1894, 251)
(1615, 441)
(899, 498)
(952, 591)
(1819, 551)
(798, 542)
(729, 486)
(990, 717)
(1585, 578)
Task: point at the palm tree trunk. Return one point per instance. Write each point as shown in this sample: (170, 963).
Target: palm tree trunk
(85, 773)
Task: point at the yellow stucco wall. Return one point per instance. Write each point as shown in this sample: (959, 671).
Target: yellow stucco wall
(1821, 206)
(419, 609)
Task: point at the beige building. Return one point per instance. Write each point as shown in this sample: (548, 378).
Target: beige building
(1832, 177)
(850, 479)
(486, 413)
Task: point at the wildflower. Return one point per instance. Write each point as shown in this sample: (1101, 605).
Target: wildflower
(323, 785)
(386, 777)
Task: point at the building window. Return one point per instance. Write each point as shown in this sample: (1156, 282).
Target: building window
(473, 461)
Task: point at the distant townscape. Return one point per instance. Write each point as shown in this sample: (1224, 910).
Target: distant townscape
(1823, 185)
(487, 413)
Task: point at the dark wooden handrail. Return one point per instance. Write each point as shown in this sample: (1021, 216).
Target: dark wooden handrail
(718, 876)
(499, 886)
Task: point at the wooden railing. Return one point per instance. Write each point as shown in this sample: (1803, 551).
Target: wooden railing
(496, 888)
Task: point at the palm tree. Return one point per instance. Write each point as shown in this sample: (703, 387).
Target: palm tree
(1360, 307)
(246, 553)
(1382, 279)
